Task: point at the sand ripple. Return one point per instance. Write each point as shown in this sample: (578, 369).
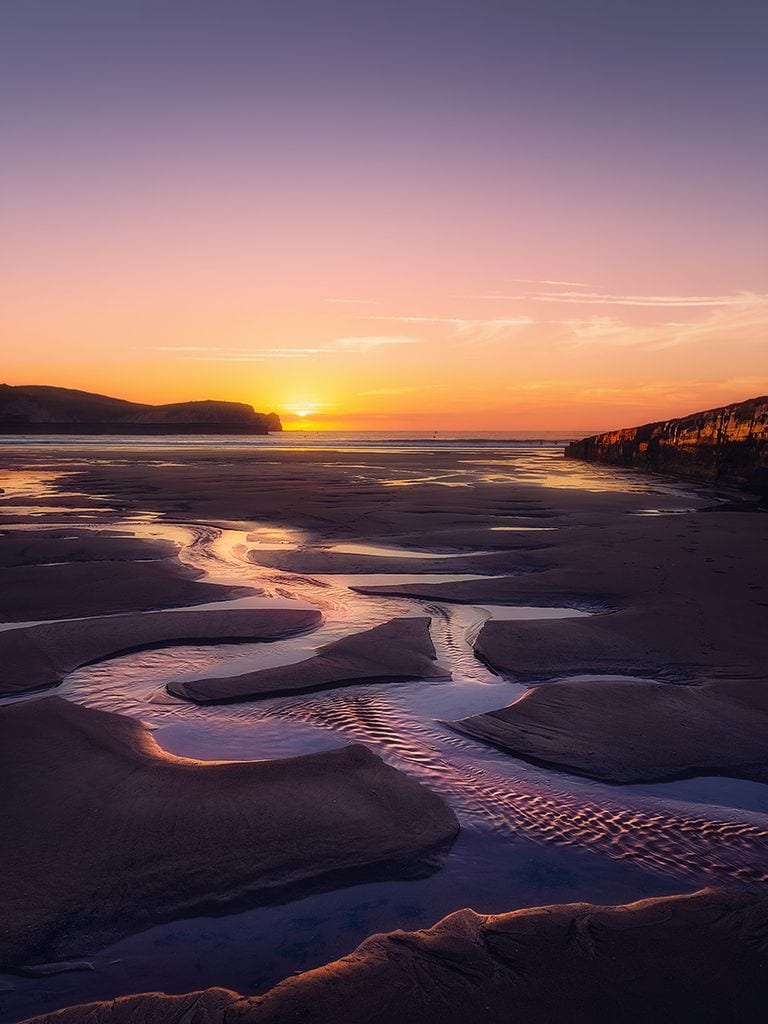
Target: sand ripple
(672, 839)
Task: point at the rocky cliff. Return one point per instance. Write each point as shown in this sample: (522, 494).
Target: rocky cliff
(727, 446)
(45, 410)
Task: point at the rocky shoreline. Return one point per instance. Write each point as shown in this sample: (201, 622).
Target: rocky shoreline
(726, 446)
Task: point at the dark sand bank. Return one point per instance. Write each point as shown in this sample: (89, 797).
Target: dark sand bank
(44, 547)
(398, 649)
(691, 605)
(690, 596)
(35, 657)
(700, 957)
(337, 497)
(30, 593)
(105, 834)
(635, 731)
(678, 597)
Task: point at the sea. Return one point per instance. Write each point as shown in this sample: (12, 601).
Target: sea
(397, 440)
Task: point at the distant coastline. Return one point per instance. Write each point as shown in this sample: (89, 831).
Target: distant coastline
(39, 409)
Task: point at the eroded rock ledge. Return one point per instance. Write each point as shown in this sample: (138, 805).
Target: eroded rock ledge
(398, 649)
(104, 834)
(728, 446)
(688, 958)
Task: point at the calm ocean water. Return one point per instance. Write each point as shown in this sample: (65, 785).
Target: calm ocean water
(320, 439)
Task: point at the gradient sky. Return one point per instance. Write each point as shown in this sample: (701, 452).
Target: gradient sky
(527, 214)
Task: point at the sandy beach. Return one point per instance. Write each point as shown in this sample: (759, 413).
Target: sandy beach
(562, 663)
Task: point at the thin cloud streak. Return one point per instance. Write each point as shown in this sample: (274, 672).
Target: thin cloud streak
(532, 280)
(470, 330)
(227, 354)
(604, 299)
(376, 341)
(673, 392)
(452, 321)
(744, 323)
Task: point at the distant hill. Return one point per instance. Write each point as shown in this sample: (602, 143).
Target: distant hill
(36, 409)
(727, 446)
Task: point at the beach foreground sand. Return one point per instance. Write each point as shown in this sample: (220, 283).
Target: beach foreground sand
(579, 619)
(699, 957)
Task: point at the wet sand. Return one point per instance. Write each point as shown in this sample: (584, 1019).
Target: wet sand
(710, 728)
(669, 582)
(698, 957)
(105, 834)
(400, 649)
(40, 656)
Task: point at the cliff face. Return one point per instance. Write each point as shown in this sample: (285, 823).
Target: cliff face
(727, 446)
(46, 410)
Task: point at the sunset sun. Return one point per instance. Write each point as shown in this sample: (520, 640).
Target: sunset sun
(303, 411)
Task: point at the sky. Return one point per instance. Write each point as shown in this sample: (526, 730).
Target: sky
(421, 215)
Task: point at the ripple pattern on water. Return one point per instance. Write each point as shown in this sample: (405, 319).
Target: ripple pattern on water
(671, 839)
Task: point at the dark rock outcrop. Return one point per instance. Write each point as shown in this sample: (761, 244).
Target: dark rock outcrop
(37, 409)
(685, 958)
(104, 834)
(727, 446)
(398, 649)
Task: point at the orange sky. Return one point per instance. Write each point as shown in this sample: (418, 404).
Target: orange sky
(547, 356)
(419, 222)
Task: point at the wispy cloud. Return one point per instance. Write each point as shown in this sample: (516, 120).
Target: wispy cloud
(605, 299)
(367, 342)
(451, 320)
(554, 284)
(355, 302)
(745, 322)
(656, 394)
(469, 329)
(225, 354)
(228, 354)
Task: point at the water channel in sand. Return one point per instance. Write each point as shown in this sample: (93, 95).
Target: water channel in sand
(529, 835)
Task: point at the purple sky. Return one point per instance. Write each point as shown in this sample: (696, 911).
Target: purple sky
(186, 185)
